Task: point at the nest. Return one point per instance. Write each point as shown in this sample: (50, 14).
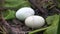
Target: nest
(42, 8)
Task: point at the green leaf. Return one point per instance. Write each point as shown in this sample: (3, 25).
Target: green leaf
(9, 14)
(53, 28)
(16, 3)
(46, 4)
(58, 30)
(58, 1)
(38, 30)
(49, 20)
(58, 5)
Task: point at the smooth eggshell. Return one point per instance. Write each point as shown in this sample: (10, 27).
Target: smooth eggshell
(34, 21)
(24, 12)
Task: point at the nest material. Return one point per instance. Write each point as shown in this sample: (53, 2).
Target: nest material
(42, 7)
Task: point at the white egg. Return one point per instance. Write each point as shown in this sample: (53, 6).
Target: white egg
(24, 12)
(34, 21)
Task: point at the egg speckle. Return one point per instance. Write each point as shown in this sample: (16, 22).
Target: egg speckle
(34, 21)
(24, 12)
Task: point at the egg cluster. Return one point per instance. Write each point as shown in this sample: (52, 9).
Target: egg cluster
(27, 14)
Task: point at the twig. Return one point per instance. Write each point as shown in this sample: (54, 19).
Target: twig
(37, 6)
(57, 10)
(1, 32)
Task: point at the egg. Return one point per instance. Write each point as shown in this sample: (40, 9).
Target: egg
(34, 21)
(24, 12)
